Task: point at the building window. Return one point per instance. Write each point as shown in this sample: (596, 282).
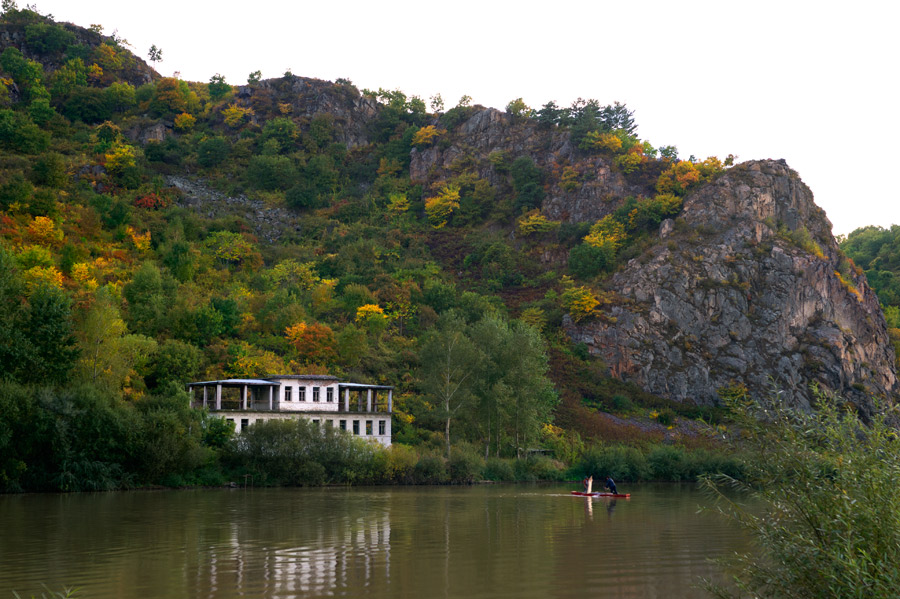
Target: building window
(356, 427)
(382, 427)
(287, 394)
(329, 394)
(316, 422)
(315, 394)
(244, 423)
(343, 425)
(369, 427)
(301, 393)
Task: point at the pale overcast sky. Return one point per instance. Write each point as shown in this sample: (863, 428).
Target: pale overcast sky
(813, 82)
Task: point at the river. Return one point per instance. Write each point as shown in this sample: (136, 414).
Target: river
(485, 541)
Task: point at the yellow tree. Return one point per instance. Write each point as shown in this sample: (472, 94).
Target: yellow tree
(440, 207)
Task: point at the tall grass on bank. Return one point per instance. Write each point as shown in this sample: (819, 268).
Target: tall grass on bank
(830, 526)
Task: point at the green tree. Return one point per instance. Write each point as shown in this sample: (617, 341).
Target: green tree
(526, 180)
(281, 129)
(18, 132)
(154, 54)
(147, 300)
(48, 334)
(271, 172)
(448, 361)
(514, 396)
(212, 151)
(109, 355)
(175, 361)
(218, 89)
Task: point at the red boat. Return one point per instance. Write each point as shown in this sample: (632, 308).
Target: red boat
(613, 495)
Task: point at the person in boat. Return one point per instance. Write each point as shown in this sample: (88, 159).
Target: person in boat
(611, 485)
(587, 482)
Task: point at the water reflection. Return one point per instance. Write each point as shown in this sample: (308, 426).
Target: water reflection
(492, 541)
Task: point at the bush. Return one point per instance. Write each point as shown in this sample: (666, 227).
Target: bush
(826, 482)
(587, 261)
(212, 151)
(430, 470)
(298, 452)
(18, 132)
(465, 465)
(537, 467)
(50, 170)
(271, 172)
(499, 469)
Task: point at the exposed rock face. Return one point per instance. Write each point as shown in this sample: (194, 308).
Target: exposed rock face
(352, 112)
(134, 71)
(735, 293)
(488, 130)
(269, 224)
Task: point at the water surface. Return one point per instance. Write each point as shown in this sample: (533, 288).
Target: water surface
(489, 541)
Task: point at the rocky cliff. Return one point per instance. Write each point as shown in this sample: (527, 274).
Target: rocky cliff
(746, 289)
(488, 131)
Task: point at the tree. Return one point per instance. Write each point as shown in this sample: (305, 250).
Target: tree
(315, 343)
(437, 104)
(449, 357)
(48, 332)
(518, 108)
(440, 208)
(218, 89)
(109, 355)
(154, 54)
(254, 77)
(490, 375)
(514, 396)
(526, 180)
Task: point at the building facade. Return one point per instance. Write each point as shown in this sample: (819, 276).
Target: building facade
(363, 410)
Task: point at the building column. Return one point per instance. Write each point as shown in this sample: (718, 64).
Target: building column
(204, 396)
(244, 398)
(368, 400)
(271, 394)
(390, 401)
(346, 399)
(218, 396)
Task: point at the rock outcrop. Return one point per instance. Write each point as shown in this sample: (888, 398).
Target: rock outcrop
(350, 112)
(269, 223)
(748, 288)
(488, 131)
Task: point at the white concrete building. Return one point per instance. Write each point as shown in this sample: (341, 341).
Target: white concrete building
(364, 410)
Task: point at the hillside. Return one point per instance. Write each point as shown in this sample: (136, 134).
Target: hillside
(156, 231)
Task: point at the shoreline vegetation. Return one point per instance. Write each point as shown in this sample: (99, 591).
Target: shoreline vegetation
(82, 440)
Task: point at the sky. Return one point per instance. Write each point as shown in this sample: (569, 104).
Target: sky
(813, 82)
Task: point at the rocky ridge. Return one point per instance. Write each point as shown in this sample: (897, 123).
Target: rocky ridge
(748, 289)
(489, 130)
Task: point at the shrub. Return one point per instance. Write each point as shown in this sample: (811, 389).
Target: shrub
(271, 172)
(498, 469)
(537, 467)
(825, 482)
(212, 151)
(430, 470)
(465, 465)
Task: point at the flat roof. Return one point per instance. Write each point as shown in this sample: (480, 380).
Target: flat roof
(365, 386)
(303, 377)
(236, 382)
